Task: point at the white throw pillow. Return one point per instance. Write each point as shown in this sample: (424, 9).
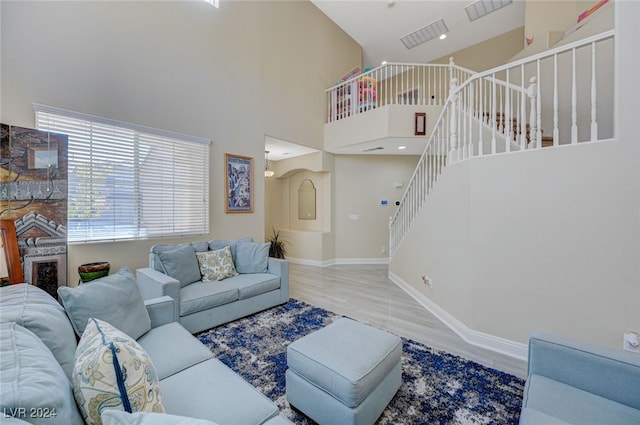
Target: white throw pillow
(216, 264)
(112, 371)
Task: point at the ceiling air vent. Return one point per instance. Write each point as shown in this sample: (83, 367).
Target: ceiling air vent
(480, 8)
(424, 34)
(377, 148)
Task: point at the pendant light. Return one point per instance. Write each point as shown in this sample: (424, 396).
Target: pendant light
(267, 172)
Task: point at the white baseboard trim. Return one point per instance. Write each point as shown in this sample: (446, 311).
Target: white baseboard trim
(305, 262)
(494, 343)
(339, 261)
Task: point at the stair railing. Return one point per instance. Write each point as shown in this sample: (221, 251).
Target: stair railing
(393, 84)
(516, 107)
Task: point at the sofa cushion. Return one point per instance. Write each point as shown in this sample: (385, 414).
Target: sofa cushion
(36, 310)
(32, 379)
(252, 257)
(154, 260)
(185, 350)
(231, 243)
(573, 405)
(115, 299)
(216, 393)
(113, 371)
(115, 417)
(11, 420)
(250, 285)
(205, 295)
(534, 417)
(216, 264)
(181, 264)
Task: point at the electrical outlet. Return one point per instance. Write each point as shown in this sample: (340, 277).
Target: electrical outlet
(631, 342)
(427, 280)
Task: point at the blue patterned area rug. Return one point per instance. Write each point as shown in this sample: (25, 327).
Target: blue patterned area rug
(437, 387)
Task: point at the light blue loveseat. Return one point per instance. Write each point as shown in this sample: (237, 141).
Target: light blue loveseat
(262, 282)
(38, 343)
(571, 382)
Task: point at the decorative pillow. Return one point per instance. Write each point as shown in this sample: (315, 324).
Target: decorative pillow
(115, 299)
(216, 265)
(32, 380)
(112, 371)
(252, 257)
(181, 264)
(34, 309)
(233, 243)
(156, 263)
(115, 417)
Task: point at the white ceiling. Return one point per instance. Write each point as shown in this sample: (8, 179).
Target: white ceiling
(282, 149)
(378, 25)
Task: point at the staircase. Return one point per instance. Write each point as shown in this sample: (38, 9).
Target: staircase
(564, 93)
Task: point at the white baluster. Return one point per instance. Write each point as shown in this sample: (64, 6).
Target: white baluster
(494, 115)
(507, 115)
(481, 112)
(538, 132)
(453, 121)
(594, 108)
(574, 99)
(523, 112)
(532, 92)
(556, 131)
(470, 114)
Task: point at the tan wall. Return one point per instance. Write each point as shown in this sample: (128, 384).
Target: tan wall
(542, 16)
(362, 181)
(488, 54)
(231, 74)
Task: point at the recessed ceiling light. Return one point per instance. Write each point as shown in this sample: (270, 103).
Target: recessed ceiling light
(443, 36)
(402, 148)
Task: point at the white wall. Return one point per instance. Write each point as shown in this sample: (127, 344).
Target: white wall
(547, 239)
(231, 74)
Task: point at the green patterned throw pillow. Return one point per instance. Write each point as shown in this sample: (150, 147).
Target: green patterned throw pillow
(216, 264)
(112, 371)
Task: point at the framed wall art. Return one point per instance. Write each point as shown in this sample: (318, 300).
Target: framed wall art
(420, 124)
(238, 183)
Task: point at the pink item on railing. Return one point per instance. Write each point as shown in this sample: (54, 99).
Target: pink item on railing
(368, 93)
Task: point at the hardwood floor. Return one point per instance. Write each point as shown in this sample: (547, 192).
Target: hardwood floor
(366, 294)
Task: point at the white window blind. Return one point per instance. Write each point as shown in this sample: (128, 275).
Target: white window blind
(128, 181)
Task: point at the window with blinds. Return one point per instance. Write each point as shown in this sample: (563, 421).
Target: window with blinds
(128, 181)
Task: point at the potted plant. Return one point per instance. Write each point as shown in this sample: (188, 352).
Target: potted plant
(278, 247)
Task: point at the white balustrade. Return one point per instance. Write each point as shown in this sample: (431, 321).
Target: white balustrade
(393, 84)
(515, 107)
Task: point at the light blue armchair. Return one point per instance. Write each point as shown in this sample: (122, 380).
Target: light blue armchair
(570, 382)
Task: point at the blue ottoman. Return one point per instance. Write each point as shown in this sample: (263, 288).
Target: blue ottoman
(345, 373)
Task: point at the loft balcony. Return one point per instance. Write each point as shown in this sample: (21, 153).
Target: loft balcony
(389, 110)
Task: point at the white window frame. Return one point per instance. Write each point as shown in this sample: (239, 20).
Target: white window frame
(128, 181)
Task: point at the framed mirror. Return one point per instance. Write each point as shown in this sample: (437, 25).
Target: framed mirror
(306, 200)
(10, 264)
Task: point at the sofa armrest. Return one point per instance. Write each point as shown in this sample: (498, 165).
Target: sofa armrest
(612, 374)
(280, 267)
(161, 310)
(154, 284)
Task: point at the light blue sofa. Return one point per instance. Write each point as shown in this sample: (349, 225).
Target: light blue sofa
(38, 343)
(571, 382)
(262, 282)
